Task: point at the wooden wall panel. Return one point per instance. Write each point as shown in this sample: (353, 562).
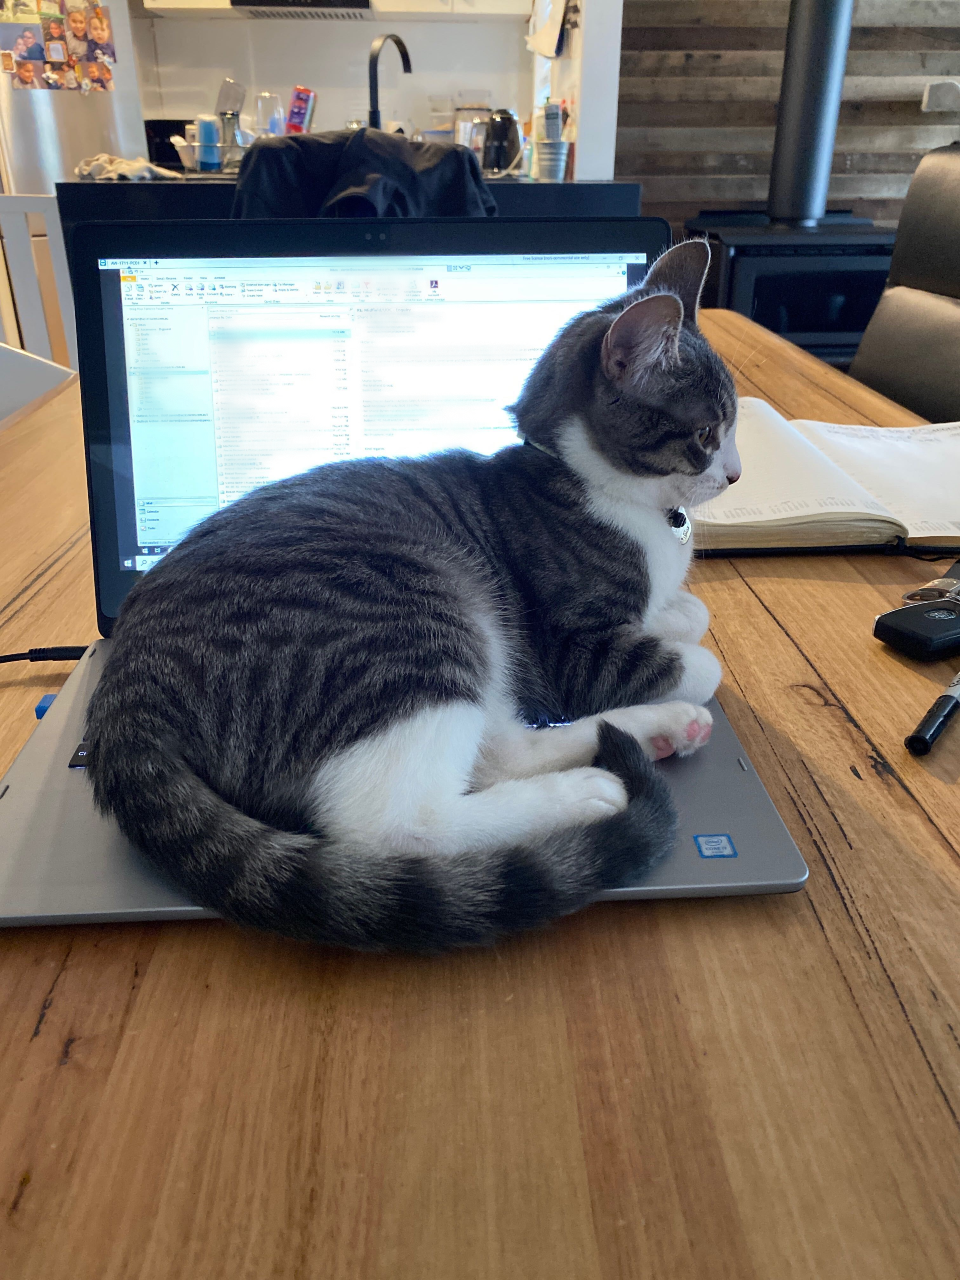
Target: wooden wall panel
(699, 85)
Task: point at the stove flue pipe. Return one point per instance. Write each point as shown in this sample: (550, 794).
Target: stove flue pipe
(818, 36)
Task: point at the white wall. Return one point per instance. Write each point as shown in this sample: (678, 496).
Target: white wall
(597, 50)
(183, 60)
(587, 78)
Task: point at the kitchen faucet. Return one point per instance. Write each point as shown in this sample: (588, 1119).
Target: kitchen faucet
(373, 116)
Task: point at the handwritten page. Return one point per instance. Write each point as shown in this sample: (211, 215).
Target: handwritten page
(788, 482)
(913, 471)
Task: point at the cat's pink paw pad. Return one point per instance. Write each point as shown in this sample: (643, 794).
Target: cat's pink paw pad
(665, 728)
(698, 733)
(689, 731)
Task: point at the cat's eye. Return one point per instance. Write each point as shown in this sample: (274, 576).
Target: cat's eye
(703, 436)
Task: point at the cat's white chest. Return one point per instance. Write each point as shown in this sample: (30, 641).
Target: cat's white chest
(668, 559)
(634, 506)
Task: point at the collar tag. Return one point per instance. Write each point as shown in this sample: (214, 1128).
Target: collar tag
(679, 522)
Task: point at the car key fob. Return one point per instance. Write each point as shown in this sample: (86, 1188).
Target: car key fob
(927, 630)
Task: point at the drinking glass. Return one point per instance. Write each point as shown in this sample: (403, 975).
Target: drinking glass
(270, 118)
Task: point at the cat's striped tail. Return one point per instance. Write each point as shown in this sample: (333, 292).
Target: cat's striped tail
(308, 887)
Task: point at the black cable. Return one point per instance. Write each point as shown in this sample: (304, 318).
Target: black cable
(918, 553)
(60, 653)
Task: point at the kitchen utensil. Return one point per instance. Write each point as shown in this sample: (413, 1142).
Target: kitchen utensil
(478, 137)
(219, 155)
(441, 115)
(552, 122)
(208, 140)
(186, 151)
(269, 118)
(230, 130)
(552, 160)
(231, 97)
(465, 117)
(502, 141)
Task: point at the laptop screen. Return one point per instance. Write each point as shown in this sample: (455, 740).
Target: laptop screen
(216, 356)
(228, 373)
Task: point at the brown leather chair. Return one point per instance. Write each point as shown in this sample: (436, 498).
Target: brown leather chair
(911, 348)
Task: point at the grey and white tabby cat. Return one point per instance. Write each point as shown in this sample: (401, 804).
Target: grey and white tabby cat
(314, 715)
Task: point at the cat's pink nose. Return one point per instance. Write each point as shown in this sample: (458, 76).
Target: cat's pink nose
(733, 476)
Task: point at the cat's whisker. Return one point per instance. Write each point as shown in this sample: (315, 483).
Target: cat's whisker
(749, 357)
(736, 350)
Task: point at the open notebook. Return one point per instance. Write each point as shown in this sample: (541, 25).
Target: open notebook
(814, 484)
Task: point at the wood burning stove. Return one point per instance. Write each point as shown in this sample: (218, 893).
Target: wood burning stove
(812, 276)
(817, 289)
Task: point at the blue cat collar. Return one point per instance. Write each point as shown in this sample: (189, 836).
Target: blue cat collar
(542, 447)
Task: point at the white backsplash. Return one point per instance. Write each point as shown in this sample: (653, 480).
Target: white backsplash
(183, 60)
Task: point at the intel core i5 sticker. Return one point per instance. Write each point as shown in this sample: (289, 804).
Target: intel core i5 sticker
(715, 846)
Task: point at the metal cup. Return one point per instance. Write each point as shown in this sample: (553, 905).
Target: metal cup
(552, 160)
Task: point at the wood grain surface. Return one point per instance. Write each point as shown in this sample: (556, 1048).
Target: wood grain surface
(749, 1088)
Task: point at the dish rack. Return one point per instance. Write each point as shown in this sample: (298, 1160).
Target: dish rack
(229, 155)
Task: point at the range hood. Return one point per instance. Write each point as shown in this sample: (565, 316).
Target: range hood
(328, 10)
(336, 10)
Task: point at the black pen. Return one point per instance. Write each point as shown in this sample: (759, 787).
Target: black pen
(935, 721)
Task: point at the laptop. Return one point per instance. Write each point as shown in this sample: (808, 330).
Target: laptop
(215, 357)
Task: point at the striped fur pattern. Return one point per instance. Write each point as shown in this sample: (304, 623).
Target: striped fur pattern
(315, 714)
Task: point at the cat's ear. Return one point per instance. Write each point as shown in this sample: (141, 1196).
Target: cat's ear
(647, 334)
(681, 270)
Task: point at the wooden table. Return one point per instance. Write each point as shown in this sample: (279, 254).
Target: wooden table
(750, 1088)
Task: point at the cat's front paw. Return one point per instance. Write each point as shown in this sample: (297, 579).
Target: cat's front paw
(664, 728)
(700, 674)
(588, 795)
(685, 729)
(683, 618)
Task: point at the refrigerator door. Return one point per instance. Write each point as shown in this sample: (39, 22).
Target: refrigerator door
(45, 133)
